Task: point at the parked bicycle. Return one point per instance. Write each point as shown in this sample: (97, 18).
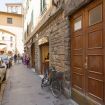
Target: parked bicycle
(53, 79)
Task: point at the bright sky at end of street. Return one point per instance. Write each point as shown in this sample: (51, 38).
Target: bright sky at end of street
(3, 2)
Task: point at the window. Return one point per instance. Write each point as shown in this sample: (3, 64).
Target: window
(78, 23)
(16, 9)
(27, 30)
(42, 6)
(3, 38)
(27, 5)
(24, 35)
(32, 18)
(11, 45)
(9, 20)
(11, 38)
(95, 15)
(9, 9)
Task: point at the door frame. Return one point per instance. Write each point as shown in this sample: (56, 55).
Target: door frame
(76, 94)
(41, 65)
(104, 42)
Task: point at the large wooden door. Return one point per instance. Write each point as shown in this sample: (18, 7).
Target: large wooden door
(88, 54)
(44, 54)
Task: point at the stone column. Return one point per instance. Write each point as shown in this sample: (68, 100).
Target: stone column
(67, 80)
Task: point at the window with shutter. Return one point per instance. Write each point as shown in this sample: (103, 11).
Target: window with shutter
(9, 20)
(42, 6)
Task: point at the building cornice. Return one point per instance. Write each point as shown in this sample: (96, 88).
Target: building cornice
(1, 12)
(13, 4)
(7, 32)
(45, 21)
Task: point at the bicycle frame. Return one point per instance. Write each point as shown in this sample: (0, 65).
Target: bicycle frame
(53, 80)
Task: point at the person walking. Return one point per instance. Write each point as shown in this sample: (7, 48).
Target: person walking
(15, 58)
(28, 61)
(18, 58)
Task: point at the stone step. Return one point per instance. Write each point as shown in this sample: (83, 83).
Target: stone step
(67, 92)
(67, 84)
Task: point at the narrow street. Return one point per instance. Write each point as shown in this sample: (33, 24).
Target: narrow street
(23, 88)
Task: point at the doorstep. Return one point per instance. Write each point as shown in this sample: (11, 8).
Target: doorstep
(41, 76)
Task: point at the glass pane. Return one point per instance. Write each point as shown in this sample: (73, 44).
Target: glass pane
(78, 23)
(95, 15)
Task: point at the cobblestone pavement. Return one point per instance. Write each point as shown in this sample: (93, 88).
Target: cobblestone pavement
(23, 88)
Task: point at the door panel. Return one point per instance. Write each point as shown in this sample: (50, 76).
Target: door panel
(87, 44)
(95, 40)
(78, 73)
(95, 55)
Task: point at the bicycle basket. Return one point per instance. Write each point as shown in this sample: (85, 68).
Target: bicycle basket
(51, 69)
(59, 75)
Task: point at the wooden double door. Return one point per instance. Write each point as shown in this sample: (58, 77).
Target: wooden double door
(88, 54)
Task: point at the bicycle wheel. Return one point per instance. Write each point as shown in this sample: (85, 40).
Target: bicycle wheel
(56, 88)
(44, 82)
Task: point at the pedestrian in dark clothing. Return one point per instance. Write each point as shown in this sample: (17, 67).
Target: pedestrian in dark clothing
(22, 59)
(27, 61)
(15, 58)
(18, 57)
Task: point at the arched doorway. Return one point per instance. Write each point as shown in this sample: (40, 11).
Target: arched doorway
(33, 55)
(44, 50)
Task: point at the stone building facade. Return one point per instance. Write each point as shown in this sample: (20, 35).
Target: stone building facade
(56, 30)
(12, 23)
(53, 35)
(86, 18)
(51, 38)
(16, 28)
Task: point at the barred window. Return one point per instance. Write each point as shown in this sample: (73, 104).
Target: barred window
(3, 38)
(42, 6)
(9, 20)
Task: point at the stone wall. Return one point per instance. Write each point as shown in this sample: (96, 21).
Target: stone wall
(57, 31)
(72, 5)
(37, 56)
(67, 83)
(56, 42)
